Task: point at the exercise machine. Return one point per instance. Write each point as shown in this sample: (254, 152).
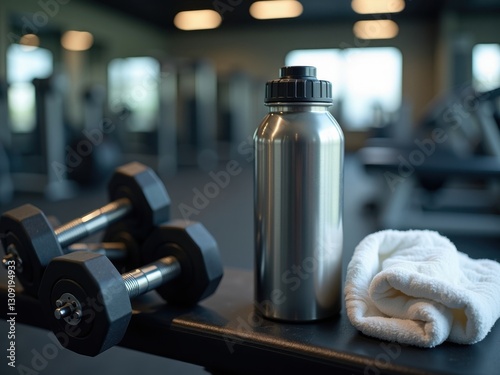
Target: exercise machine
(447, 177)
(39, 158)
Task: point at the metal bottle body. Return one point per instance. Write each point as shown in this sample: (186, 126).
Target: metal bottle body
(298, 198)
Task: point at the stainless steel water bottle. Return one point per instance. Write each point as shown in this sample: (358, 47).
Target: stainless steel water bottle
(299, 151)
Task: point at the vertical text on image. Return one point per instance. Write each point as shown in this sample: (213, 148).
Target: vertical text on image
(11, 312)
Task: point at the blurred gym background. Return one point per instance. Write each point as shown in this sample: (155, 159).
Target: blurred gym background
(179, 85)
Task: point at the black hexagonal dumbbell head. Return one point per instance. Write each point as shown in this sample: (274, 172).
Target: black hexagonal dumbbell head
(101, 305)
(147, 195)
(30, 242)
(139, 200)
(88, 302)
(197, 251)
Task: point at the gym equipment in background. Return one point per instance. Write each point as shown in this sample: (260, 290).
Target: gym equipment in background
(143, 105)
(197, 114)
(6, 185)
(447, 177)
(240, 108)
(95, 144)
(38, 158)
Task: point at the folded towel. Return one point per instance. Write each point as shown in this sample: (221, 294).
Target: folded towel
(414, 287)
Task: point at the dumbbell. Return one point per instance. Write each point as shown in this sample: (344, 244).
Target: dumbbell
(87, 301)
(138, 199)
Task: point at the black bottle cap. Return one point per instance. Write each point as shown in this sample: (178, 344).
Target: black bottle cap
(298, 84)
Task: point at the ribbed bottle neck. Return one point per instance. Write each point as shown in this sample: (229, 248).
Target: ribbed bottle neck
(298, 107)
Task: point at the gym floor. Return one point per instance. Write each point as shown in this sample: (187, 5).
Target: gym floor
(228, 216)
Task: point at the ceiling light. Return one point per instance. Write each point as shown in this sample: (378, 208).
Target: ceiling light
(77, 40)
(270, 9)
(202, 19)
(31, 41)
(377, 6)
(376, 29)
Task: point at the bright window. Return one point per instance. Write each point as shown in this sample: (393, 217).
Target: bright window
(364, 79)
(486, 66)
(23, 65)
(133, 86)
(328, 62)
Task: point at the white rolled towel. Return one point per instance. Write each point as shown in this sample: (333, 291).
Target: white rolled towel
(414, 287)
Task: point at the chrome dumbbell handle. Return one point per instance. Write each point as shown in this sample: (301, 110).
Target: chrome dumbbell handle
(151, 276)
(93, 222)
(115, 251)
(137, 282)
